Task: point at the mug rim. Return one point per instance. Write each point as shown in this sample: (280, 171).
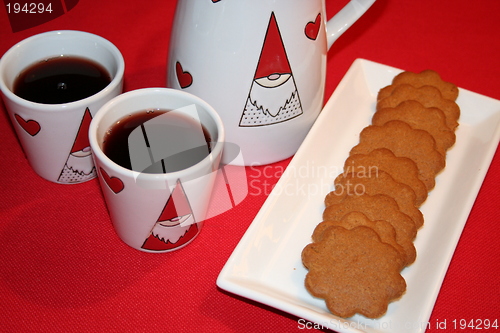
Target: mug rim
(100, 155)
(43, 107)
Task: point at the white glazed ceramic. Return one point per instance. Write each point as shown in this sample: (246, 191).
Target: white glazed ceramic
(261, 64)
(54, 137)
(138, 203)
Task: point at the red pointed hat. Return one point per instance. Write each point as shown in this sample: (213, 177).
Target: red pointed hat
(82, 137)
(177, 205)
(273, 58)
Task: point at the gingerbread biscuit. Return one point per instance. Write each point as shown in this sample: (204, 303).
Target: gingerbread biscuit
(354, 272)
(417, 116)
(404, 141)
(424, 78)
(377, 183)
(428, 96)
(378, 207)
(384, 229)
(402, 169)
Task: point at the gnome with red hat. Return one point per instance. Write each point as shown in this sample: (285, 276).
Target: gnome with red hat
(176, 225)
(79, 166)
(273, 96)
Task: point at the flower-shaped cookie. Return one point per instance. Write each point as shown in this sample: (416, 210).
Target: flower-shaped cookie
(424, 78)
(353, 271)
(404, 141)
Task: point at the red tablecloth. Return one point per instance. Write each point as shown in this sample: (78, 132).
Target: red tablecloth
(62, 267)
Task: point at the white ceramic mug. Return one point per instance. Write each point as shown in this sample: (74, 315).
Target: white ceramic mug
(54, 137)
(261, 64)
(156, 212)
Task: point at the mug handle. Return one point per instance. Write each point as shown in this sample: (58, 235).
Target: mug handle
(343, 20)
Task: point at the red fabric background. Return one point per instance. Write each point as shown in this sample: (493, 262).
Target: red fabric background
(63, 269)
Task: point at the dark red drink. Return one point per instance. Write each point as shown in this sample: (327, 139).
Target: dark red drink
(61, 80)
(157, 141)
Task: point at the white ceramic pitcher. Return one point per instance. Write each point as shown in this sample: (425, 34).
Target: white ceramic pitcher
(261, 64)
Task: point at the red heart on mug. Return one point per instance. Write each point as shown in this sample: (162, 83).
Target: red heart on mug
(185, 79)
(32, 127)
(312, 28)
(114, 183)
(23, 15)
(214, 1)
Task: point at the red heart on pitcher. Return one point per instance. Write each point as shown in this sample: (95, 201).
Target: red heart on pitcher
(185, 79)
(312, 28)
(32, 127)
(114, 183)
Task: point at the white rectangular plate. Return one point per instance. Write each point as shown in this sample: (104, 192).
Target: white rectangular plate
(266, 265)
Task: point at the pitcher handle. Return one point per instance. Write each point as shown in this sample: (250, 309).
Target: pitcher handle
(343, 20)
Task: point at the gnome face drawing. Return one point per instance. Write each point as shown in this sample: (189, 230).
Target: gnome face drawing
(176, 225)
(79, 166)
(273, 96)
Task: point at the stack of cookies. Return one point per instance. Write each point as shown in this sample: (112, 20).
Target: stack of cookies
(372, 217)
